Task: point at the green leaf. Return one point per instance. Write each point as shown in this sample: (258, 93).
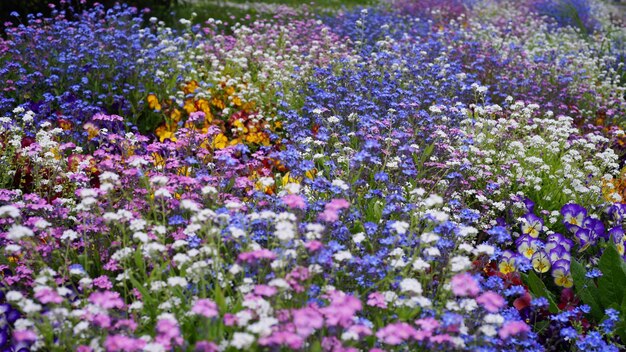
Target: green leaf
(611, 283)
(316, 346)
(620, 328)
(586, 289)
(539, 289)
(145, 295)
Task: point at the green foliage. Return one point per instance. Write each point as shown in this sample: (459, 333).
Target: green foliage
(611, 283)
(609, 289)
(586, 288)
(539, 289)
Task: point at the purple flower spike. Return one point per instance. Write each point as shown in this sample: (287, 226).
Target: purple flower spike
(573, 214)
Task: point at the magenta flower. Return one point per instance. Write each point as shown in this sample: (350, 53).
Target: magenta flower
(168, 333)
(313, 246)
(206, 346)
(397, 333)
(253, 256)
(376, 299)
(491, 301)
(265, 290)
(206, 308)
(230, 319)
(429, 324)
(464, 285)
(341, 310)
(439, 339)
(294, 201)
(47, 295)
(121, 343)
(282, 338)
(512, 328)
(331, 210)
(103, 282)
(307, 320)
(107, 300)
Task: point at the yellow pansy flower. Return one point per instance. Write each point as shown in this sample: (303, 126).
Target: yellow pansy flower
(190, 106)
(220, 141)
(191, 87)
(153, 102)
(165, 132)
(218, 103)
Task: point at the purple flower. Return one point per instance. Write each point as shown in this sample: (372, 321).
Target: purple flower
(115, 343)
(573, 214)
(341, 310)
(512, 328)
(556, 239)
(464, 285)
(376, 299)
(527, 246)
(47, 295)
(397, 333)
(307, 320)
(531, 225)
(585, 238)
(491, 301)
(283, 338)
(107, 299)
(294, 201)
(596, 226)
(331, 210)
(205, 307)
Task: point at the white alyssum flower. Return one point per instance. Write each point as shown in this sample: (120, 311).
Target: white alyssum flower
(400, 227)
(460, 263)
(10, 211)
(420, 265)
(342, 256)
(17, 232)
(411, 286)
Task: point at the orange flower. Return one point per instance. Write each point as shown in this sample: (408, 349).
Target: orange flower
(92, 130)
(190, 87)
(218, 103)
(65, 124)
(176, 115)
(190, 106)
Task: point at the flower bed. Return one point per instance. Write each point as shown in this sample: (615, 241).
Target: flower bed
(442, 175)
